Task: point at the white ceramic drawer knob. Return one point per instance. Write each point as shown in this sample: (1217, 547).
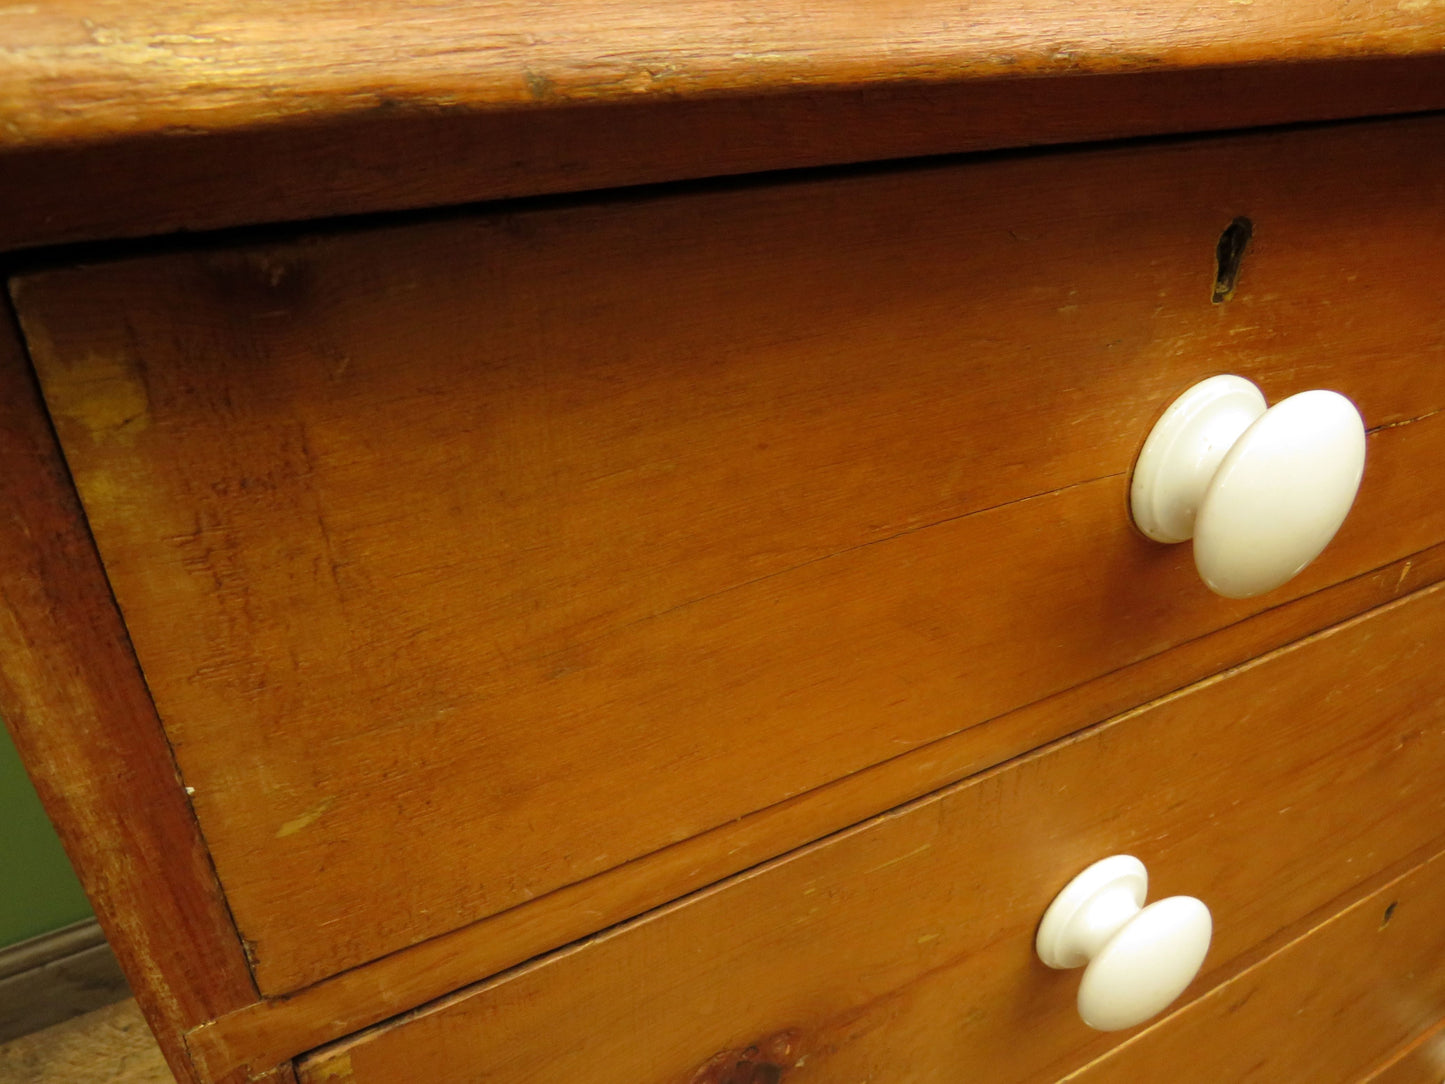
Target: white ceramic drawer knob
(1136, 959)
(1260, 491)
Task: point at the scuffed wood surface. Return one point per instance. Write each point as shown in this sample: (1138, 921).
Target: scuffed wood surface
(381, 160)
(903, 949)
(440, 541)
(97, 69)
(122, 119)
(77, 707)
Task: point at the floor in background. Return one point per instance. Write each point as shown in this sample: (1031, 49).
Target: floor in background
(109, 1046)
(58, 975)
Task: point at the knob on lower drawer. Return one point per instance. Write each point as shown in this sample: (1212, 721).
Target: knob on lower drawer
(1136, 959)
(1260, 491)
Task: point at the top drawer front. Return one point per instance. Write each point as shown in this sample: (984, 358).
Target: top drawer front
(469, 559)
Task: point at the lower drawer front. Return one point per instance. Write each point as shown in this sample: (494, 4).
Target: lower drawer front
(903, 949)
(1326, 1008)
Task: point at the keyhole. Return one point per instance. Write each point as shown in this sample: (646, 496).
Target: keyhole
(1228, 255)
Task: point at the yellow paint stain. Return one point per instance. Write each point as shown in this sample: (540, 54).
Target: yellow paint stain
(335, 1070)
(1415, 5)
(104, 396)
(295, 824)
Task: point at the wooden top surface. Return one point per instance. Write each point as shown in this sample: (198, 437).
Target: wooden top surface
(131, 118)
(83, 70)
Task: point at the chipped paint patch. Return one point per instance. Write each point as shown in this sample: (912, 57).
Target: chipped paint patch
(295, 824)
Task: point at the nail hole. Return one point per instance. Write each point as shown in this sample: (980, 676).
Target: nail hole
(1389, 914)
(1228, 255)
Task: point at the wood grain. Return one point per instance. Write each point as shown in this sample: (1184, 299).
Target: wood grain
(89, 69)
(76, 705)
(390, 159)
(1325, 1008)
(279, 1028)
(903, 948)
(426, 535)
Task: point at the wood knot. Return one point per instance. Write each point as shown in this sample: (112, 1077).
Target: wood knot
(765, 1062)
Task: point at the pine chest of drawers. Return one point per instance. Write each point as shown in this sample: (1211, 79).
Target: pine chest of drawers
(689, 628)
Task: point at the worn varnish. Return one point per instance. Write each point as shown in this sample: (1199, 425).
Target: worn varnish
(91, 69)
(391, 158)
(908, 941)
(121, 118)
(1326, 1008)
(76, 705)
(435, 542)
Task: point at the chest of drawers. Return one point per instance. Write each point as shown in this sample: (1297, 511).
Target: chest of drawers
(688, 632)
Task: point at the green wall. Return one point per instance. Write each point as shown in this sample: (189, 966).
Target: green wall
(38, 889)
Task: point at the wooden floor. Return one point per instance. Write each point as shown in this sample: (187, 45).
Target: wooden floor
(109, 1046)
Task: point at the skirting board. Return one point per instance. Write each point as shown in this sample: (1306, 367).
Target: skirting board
(55, 976)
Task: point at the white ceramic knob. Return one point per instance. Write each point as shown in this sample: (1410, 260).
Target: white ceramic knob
(1136, 959)
(1260, 491)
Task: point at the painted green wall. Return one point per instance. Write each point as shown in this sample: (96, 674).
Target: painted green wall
(38, 889)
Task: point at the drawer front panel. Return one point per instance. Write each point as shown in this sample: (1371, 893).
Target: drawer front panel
(1326, 1008)
(470, 559)
(903, 949)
